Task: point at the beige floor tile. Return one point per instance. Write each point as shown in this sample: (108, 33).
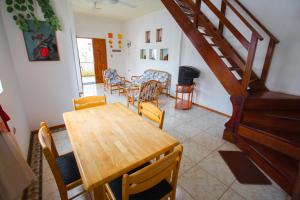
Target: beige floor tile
(227, 146)
(202, 123)
(201, 185)
(232, 195)
(178, 135)
(49, 188)
(209, 142)
(194, 151)
(188, 129)
(216, 130)
(185, 165)
(181, 194)
(258, 192)
(216, 166)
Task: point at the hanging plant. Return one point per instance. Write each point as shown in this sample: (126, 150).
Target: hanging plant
(23, 12)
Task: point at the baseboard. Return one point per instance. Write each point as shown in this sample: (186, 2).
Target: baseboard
(206, 108)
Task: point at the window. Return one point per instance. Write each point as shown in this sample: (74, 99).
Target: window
(159, 35)
(147, 36)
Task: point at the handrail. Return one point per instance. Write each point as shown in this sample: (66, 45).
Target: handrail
(228, 24)
(244, 20)
(257, 22)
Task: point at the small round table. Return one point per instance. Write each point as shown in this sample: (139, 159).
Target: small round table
(184, 97)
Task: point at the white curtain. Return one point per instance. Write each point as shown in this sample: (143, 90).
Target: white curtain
(15, 173)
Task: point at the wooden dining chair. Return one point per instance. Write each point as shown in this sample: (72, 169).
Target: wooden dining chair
(63, 167)
(88, 102)
(152, 112)
(155, 181)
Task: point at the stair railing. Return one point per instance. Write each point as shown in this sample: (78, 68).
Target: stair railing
(250, 46)
(272, 42)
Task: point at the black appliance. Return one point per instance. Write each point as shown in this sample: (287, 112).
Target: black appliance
(187, 74)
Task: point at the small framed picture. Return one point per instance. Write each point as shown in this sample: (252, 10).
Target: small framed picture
(148, 36)
(159, 35)
(153, 54)
(164, 54)
(143, 55)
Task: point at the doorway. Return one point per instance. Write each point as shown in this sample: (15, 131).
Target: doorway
(93, 59)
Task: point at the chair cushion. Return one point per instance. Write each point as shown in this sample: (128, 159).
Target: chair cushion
(68, 168)
(154, 193)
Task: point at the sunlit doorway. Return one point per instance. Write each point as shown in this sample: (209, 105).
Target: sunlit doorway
(86, 56)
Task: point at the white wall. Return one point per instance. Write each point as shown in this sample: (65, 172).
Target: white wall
(209, 91)
(98, 27)
(282, 18)
(10, 99)
(172, 35)
(47, 88)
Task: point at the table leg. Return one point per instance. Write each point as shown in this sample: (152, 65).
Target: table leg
(99, 193)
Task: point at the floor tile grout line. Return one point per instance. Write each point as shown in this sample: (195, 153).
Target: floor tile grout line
(182, 187)
(226, 190)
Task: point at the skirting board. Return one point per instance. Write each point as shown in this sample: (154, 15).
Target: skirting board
(209, 109)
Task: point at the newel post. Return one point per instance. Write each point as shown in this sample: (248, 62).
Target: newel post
(231, 126)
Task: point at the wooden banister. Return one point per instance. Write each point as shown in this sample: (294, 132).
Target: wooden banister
(250, 59)
(257, 21)
(223, 11)
(243, 20)
(228, 24)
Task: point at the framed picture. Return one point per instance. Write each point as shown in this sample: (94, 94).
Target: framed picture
(153, 54)
(41, 43)
(143, 54)
(164, 54)
(148, 36)
(159, 35)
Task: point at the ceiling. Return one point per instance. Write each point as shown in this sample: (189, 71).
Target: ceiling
(116, 11)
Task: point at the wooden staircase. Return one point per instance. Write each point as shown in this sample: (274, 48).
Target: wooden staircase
(264, 124)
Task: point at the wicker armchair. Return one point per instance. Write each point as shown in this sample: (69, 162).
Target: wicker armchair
(112, 80)
(148, 92)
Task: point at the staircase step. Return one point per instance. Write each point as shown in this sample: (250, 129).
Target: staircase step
(207, 35)
(287, 166)
(226, 58)
(281, 168)
(286, 143)
(267, 100)
(235, 69)
(211, 57)
(276, 120)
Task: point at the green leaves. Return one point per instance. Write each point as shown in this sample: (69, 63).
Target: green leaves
(9, 2)
(49, 14)
(9, 9)
(23, 10)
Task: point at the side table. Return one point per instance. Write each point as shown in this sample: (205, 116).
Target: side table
(184, 97)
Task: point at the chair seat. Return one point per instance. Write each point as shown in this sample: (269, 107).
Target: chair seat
(68, 168)
(154, 193)
(116, 81)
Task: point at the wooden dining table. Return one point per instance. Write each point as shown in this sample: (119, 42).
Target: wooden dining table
(111, 140)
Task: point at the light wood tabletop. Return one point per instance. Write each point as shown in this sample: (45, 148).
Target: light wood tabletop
(111, 140)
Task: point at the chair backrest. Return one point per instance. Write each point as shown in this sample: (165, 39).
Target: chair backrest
(109, 73)
(49, 139)
(50, 153)
(164, 169)
(152, 112)
(88, 102)
(150, 91)
(161, 76)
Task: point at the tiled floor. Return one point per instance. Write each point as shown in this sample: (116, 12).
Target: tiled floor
(203, 174)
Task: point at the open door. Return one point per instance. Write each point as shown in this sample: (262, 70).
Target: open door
(100, 58)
